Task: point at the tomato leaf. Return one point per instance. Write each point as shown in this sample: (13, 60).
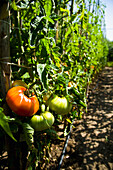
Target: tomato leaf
(26, 75)
(79, 102)
(42, 72)
(68, 120)
(47, 7)
(28, 133)
(5, 125)
(53, 133)
(75, 92)
(14, 6)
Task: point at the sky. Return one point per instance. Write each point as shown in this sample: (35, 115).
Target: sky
(109, 18)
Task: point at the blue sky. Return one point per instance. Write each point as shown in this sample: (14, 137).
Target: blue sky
(109, 18)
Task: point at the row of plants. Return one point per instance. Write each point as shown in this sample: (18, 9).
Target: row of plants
(57, 49)
(110, 51)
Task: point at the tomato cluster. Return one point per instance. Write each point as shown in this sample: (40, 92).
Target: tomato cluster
(23, 105)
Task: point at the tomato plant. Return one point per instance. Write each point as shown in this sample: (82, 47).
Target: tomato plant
(20, 103)
(55, 49)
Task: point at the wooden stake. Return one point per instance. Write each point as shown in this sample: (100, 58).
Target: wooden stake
(5, 69)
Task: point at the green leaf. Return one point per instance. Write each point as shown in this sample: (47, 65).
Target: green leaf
(75, 92)
(14, 5)
(53, 133)
(26, 75)
(54, 67)
(82, 104)
(64, 10)
(68, 120)
(47, 7)
(50, 20)
(79, 102)
(28, 133)
(42, 72)
(5, 125)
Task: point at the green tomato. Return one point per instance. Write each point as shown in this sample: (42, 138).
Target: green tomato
(60, 105)
(19, 83)
(43, 121)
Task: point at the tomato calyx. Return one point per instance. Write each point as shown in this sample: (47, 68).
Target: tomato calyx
(28, 92)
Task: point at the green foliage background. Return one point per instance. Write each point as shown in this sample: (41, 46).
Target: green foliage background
(48, 34)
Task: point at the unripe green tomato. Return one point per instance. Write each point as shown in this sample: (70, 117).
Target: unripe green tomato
(43, 121)
(19, 83)
(60, 105)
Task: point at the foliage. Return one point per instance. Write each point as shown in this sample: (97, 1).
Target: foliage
(110, 52)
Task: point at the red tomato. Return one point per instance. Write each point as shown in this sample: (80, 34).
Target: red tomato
(20, 103)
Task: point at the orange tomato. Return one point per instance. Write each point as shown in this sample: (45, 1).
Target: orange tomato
(92, 67)
(20, 103)
(70, 84)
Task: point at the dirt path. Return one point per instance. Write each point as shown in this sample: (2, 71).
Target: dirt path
(91, 144)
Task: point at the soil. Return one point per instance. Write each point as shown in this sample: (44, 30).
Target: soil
(90, 146)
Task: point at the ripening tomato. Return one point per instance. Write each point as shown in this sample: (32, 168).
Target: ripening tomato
(60, 105)
(20, 103)
(46, 97)
(92, 67)
(70, 84)
(19, 83)
(43, 121)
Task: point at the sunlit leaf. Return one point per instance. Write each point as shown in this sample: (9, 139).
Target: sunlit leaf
(14, 5)
(68, 120)
(26, 75)
(28, 133)
(47, 7)
(41, 69)
(5, 125)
